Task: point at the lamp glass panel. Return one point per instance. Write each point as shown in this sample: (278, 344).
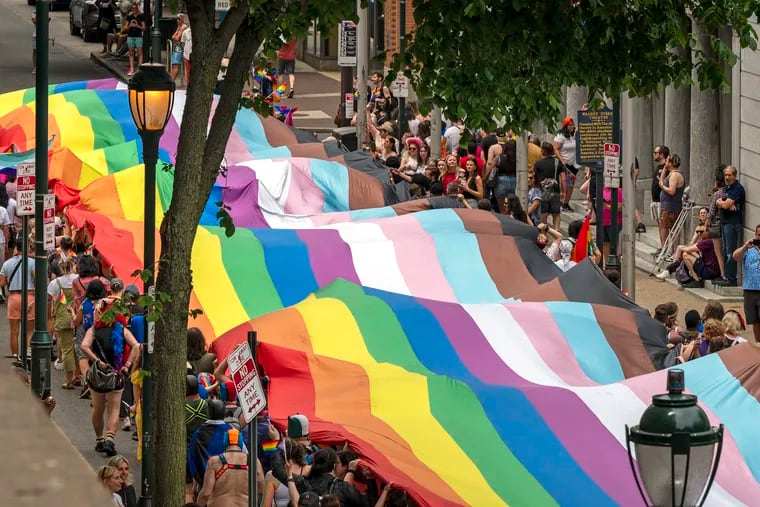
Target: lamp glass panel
(136, 107)
(655, 471)
(157, 104)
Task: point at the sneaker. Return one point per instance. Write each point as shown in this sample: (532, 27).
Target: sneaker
(568, 207)
(126, 424)
(694, 284)
(662, 275)
(109, 448)
(724, 282)
(85, 394)
(641, 228)
(291, 93)
(58, 365)
(100, 445)
(130, 72)
(134, 436)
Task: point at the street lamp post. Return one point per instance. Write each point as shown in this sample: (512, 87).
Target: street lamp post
(677, 451)
(151, 96)
(41, 343)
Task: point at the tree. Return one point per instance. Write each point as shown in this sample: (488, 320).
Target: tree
(511, 57)
(199, 157)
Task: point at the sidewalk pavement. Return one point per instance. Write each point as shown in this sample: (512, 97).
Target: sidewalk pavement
(317, 93)
(39, 465)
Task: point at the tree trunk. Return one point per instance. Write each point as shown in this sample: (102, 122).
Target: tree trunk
(677, 118)
(198, 158)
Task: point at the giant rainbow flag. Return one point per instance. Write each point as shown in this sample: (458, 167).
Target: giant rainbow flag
(441, 344)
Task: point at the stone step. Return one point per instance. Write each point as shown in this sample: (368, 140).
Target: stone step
(646, 245)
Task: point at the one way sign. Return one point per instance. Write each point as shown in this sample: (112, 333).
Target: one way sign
(25, 183)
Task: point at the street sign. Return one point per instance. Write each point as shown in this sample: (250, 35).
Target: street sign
(247, 381)
(612, 171)
(223, 5)
(349, 106)
(400, 86)
(25, 183)
(347, 44)
(48, 221)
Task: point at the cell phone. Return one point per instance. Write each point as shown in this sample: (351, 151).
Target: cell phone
(756, 241)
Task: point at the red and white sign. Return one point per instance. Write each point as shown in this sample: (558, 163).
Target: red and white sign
(247, 381)
(612, 172)
(26, 179)
(48, 220)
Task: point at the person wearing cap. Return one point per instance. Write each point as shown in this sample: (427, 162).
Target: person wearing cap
(564, 149)
(225, 482)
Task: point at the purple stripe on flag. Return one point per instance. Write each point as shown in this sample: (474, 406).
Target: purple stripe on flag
(241, 193)
(329, 255)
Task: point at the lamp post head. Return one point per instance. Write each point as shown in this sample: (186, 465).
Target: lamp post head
(151, 97)
(675, 447)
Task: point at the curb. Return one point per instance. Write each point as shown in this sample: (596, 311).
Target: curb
(110, 66)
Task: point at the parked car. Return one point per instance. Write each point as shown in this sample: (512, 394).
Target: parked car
(83, 18)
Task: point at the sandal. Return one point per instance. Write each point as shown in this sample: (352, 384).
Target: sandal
(77, 383)
(69, 386)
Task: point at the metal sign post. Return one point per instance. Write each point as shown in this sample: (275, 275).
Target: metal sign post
(242, 364)
(26, 179)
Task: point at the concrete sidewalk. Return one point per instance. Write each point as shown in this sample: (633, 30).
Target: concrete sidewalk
(39, 465)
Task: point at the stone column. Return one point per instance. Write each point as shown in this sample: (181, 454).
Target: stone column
(658, 118)
(576, 97)
(704, 152)
(643, 141)
(677, 124)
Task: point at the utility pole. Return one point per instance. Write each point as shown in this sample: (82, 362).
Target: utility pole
(631, 111)
(41, 343)
(362, 62)
(146, 34)
(156, 43)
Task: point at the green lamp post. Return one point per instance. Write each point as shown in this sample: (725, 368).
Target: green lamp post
(151, 97)
(676, 450)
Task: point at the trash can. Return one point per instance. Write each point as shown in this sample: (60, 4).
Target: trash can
(346, 136)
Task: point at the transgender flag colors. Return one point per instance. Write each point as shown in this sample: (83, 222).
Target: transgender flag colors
(441, 344)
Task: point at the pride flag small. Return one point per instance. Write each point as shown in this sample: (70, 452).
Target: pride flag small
(270, 447)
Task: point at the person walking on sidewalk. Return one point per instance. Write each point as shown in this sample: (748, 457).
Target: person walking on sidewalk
(286, 64)
(10, 275)
(135, 29)
(731, 207)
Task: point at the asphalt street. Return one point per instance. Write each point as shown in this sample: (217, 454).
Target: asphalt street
(69, 56)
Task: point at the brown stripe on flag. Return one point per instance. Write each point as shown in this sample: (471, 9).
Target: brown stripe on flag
(308, 150)
(411, 206)
(278, 134)
(364, 191)
(549, 291)
(479, 221)
(743, 361)
(504, 264)
(622, 333)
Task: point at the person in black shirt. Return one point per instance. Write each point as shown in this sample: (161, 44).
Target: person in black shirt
(660, 155)
(550, 174)
(135, 28)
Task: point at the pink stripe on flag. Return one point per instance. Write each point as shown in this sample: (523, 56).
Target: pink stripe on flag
(537, 322)
(733, 474)
(417, 258)
(304, 197)
(338, 217)
(236, 151)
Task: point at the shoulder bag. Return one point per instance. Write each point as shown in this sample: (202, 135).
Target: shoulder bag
(101, 380)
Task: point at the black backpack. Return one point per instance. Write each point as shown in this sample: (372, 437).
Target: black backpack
(506, 163)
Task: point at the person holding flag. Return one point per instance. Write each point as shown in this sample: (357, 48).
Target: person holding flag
(580, 234)
(62, 313)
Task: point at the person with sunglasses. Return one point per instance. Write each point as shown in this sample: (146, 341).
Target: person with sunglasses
(699, 259)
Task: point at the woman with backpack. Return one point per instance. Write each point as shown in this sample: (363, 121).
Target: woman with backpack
(62, 313)
(104, 344)
(83, 321)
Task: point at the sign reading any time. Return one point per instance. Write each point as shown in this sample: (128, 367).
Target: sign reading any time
(48, 221)
(247, 381)
(612, 165)
(25, 184)
(400, 86)
(594, 130)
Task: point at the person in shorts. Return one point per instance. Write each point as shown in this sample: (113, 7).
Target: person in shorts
(135, 28)
(11, 276)
(550, 174)
(177, 46)
(749, 255)
(286, 64)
